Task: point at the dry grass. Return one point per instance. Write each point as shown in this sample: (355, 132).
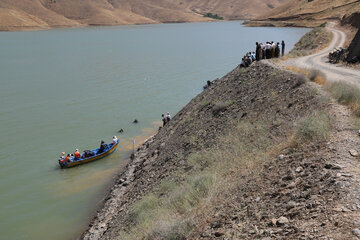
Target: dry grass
(317, 76)
(170, 212)
(295, 69)
(313, 75)
(346, 94)
(315, 127)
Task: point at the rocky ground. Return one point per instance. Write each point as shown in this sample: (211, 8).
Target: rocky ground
(309, 192)
(305, 191)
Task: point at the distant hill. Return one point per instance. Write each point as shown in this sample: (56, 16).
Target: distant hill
(311, 12)
(40, 14)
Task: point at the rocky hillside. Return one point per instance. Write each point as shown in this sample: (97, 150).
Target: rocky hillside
(33, 14)
(309, 12)
(247, 158)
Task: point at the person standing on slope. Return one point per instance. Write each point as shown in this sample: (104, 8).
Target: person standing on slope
(258, 49)
(282, 48)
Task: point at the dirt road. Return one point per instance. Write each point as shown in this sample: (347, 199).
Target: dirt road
(319, 61)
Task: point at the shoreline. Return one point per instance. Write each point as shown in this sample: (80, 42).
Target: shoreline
(245, 22)
(105, 210)
(113, 203)
(112, 183)
(40, 28)
(108, 209)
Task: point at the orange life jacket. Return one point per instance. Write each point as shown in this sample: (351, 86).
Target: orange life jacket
(77, 155)
(67, 159)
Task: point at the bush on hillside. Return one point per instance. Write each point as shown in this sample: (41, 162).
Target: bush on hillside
(316, 127)
(346, 94)
(214, 16)
(317, 76)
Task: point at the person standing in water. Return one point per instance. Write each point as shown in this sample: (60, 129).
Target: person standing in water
(282, 48)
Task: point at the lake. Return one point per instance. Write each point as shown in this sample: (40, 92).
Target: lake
(70, 88)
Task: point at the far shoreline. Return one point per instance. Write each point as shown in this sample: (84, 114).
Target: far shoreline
(245, 22)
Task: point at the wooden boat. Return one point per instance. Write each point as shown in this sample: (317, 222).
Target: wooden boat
(74, 162)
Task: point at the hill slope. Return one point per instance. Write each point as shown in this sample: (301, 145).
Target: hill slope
(311, 13)
(245, 159)
(30, 14)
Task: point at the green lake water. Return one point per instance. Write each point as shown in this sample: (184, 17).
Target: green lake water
(69, 88)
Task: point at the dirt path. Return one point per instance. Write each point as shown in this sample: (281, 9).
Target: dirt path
(319, 61)
(343, 139)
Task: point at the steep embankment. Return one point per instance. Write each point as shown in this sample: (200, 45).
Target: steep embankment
(247, 158)
(308, 13)
(39, 14)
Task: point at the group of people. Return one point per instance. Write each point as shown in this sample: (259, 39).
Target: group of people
(264, 51)
(166, 118)
(248, 59)
(67, 158)
(336, 55)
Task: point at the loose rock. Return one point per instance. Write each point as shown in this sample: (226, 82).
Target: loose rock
(353, 153)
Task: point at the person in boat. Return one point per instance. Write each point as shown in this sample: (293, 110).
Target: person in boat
(114, 141)
(62, 157)
(164, 119)
(103, 146)
(77, 154)
(67, 158)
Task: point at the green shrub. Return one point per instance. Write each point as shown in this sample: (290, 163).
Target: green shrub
(323, 25)
(214, 16)
(144, 208)
(345, 93)
(316, 127)
(171, 229)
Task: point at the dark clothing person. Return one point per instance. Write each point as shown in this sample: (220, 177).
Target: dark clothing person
(168, 117)
(282, 48)
(248, 61)
(263, 53)
(258, 49)
(103, 146)
(164, 119)
(243, 64)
